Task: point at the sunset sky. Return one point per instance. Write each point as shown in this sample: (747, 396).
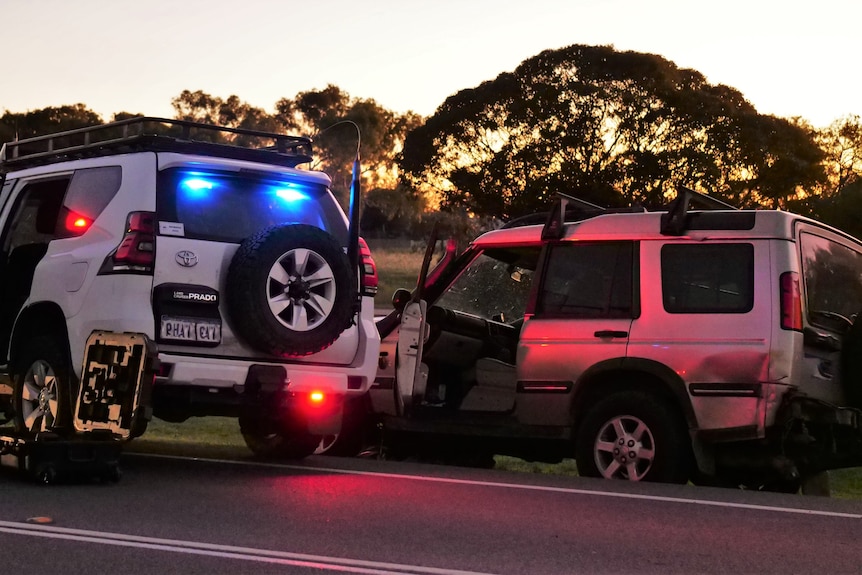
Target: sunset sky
(786, 58)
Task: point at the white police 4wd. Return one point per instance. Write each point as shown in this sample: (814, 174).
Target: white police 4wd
(722, 346)
(208, 240)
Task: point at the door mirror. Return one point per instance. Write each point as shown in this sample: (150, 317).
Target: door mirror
(400, 299)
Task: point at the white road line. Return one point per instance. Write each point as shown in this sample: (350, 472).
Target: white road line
(573, 491)
(339, 564)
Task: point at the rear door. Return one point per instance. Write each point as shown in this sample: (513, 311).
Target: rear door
(585, 305)
(204, 213)
(831, 286)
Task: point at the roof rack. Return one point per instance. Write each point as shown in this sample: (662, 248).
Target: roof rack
(144, 133)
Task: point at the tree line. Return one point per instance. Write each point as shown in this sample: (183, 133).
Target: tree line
(611, 127)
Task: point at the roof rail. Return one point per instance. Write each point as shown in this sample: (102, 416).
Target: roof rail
(144, 133)
(676, 221)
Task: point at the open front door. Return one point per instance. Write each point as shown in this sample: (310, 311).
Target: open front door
(410, 376)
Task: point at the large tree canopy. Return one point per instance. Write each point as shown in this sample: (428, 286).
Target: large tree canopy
(614, 128)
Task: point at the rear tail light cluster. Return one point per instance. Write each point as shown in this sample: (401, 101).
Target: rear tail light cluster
(369, 270)
(137, 250)
(791, 302)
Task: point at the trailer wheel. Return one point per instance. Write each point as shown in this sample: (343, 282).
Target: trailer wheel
(42, 393)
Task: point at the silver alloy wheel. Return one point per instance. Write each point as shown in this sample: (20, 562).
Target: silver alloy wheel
(39, 403)
(624, 449)
(301, 289)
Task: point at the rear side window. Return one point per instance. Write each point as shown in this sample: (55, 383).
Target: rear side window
(713, 278)
(832, 274)
(230, 206)
(589, 281)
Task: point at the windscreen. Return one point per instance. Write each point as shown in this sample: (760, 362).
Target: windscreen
(231, 206)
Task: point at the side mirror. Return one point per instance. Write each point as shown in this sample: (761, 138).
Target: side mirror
(400, 298)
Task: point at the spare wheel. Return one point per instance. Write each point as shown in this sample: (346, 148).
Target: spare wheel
(289, 290)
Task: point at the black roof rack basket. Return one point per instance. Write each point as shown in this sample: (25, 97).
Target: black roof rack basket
(144, 133)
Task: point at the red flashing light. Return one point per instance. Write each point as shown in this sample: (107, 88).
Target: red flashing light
(76, 224)
(316, 397)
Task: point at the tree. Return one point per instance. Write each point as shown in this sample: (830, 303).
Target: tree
(201, 107)
(332, 117)
(614, 128)
(46, 121)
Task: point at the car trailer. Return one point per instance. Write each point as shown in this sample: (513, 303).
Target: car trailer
(113, 403)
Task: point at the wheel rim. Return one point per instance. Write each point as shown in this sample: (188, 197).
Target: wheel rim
(301, 289)
(39, 401)
(624, 449)
(326, 443)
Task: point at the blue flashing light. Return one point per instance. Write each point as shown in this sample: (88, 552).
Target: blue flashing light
(291, 195)
(197, 187)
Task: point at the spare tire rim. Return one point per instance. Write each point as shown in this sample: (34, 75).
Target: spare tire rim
(301, 289)
(624, 448)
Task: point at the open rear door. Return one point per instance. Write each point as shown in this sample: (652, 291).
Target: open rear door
(410, 377)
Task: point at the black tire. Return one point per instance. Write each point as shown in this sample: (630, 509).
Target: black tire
(350, 441)
(43, 388)
(851, 364)
(633, 435)
(268, 441)
(290, 291)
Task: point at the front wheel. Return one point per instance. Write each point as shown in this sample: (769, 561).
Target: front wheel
(268, 441)
(42, 394)
(635, 436)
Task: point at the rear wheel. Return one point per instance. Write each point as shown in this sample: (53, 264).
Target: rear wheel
(636, 436)
(42, 394)
(268, 441)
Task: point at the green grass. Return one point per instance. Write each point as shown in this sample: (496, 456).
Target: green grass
(397, 267)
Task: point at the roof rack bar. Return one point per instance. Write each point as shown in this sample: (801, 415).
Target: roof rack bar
(145, 132)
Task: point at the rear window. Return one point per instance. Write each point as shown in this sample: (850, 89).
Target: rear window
(713, 278)
(833, 282)
(231, 206)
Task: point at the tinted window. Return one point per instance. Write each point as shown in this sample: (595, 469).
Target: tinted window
(589, 280)
(833, 281)
(91, 189)
(36, 212)
(714, 278)
(233, 206)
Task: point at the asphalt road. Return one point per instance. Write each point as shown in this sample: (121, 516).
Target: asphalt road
(178, 515)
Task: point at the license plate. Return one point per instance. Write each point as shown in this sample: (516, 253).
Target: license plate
(183, 329)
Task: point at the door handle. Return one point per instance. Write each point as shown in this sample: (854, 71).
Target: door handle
(612, 333)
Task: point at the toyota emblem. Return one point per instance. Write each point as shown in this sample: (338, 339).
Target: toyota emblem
(186, 258)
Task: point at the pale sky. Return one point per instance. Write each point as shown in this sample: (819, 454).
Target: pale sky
(787, 58)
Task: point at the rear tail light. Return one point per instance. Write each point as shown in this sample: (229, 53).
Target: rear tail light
(369, 270)
(137, 250)
(791, 302)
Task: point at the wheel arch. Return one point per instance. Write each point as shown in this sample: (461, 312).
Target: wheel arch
(43, 318)
(619, 374)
